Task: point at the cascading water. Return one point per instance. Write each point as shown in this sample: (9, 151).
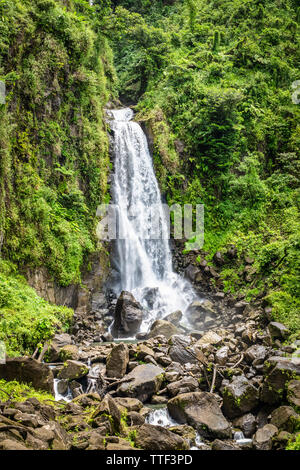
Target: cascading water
(143, 255)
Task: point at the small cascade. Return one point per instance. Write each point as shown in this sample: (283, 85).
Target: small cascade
(58, 396)
(240, 439)
(161, 417)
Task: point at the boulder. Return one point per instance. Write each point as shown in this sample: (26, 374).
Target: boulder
(285, 418)
(73, 370)
(256, 352)
(131, 404)
(293, 392)
(181, 349)
(185, 385)
(143, 382)
(240, 307)
(28, 370)
(198, 309)
(224, 445)
(263, 437)
(247, 424)
(174, 317)
(278, 372)
(191, 272)
(117, 361)
(135, 419)
(162, 327)
(11, 444)
(184, 430)
(202, 411)
(222, 355)
(209, 338)
(150, 437)
(57, 342)
(218, 258)
(128, 316)
(239, 397)
(69, 351)
(150, 295)
(62, 386)
(109, 408)
(278, 330)
(142, 351)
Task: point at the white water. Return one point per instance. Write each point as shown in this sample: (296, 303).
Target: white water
(143, 262)
(162, 417)
(58, 396)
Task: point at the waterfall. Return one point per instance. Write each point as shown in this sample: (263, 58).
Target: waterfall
(143, 256)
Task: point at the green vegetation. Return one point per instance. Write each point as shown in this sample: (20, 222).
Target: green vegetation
(294, 444)
(56, 63)
(16, 391)
(57, 67)
(213, 81)
(26, 320)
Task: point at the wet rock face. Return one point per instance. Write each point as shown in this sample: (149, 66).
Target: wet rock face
(28, 370)
(128, 316)
(174, 317)
(202, 411)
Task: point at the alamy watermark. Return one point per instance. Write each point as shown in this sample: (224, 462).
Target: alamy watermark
(296, 94)
(2, 92)
(2, 352)
(152, 223)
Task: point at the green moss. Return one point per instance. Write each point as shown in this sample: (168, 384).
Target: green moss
(19, 392)
(294, 443)
(26, 320)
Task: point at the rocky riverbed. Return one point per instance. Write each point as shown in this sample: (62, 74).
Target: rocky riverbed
(230, 382)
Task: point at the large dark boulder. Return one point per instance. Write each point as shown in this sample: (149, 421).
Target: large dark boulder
(202, 411)
(151, 437)
(285, 418)
(117, 361)
(143, 382)
(239, 397)
(128, 316)
(162, 327)
(181, 349)
(73, 370)
(278, 372)
(263, 438)
(28, 370)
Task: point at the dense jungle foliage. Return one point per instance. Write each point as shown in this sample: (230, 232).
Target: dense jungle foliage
(57, 65)
(213, 83)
